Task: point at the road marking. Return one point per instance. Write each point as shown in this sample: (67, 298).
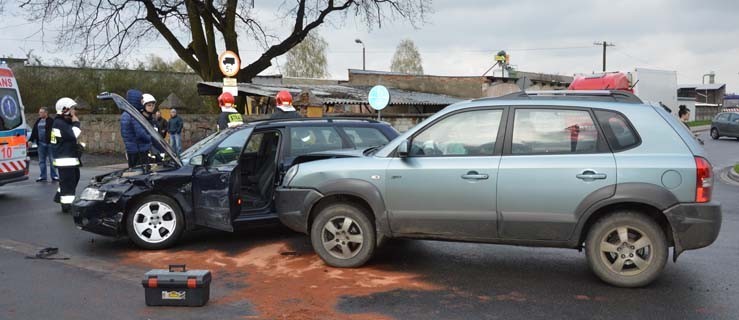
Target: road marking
(96, 265)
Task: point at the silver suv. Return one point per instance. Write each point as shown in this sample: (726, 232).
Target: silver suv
(598, 170)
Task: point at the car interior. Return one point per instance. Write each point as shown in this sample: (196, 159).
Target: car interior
(258, 169)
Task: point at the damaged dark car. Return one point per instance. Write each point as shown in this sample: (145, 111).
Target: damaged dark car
(225, 179)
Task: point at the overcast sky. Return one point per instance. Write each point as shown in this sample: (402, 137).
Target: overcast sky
(461, 36)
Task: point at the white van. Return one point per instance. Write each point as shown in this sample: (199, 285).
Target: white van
(13, 140)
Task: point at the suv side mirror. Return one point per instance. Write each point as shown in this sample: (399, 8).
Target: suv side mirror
(403, 148)
(196, 160)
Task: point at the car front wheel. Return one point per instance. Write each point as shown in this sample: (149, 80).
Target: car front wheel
(626, 249)
(343, 236)
(155, 222)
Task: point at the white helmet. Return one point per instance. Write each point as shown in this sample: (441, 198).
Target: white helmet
(64, 104)
(146, 98)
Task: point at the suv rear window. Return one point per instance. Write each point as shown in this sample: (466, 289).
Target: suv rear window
(552, 131)
(722, 117)
(10, 110)
(365, 137)
(619, 133)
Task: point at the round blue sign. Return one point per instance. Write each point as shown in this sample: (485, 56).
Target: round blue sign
(378, 97)
(9, 108)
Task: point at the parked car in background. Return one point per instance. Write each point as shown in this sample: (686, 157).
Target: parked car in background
(593, 170)
(226, 178)
(725, 124)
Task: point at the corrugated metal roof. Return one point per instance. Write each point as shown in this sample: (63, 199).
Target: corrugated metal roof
(334, 94)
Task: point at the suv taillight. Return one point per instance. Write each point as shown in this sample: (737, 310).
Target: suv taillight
(703, 180)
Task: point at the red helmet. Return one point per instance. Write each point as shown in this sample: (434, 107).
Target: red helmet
(226, 99)
(284, 98)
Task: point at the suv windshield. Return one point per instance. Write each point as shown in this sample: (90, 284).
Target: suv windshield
(10, 110)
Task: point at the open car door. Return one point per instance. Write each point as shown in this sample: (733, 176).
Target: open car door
(216, 183)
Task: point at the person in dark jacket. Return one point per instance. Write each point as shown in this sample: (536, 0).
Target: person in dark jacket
(41, 135)
(64, 134)
(161, 124)
(229, 117)
(175, 131)
(135, 137)
(284, 108)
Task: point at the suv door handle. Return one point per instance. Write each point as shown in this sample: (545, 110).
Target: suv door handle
(473, 175)
(590, 175)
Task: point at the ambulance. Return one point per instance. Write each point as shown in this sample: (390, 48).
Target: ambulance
(13, 140)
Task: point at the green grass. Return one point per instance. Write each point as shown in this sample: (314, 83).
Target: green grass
(699, 123)
(736, 168)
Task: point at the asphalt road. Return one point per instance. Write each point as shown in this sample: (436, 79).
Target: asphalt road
(271, 273)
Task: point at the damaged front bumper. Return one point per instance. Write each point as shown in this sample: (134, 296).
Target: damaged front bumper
(100, 217)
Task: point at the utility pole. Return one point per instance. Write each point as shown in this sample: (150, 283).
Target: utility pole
(604, 44)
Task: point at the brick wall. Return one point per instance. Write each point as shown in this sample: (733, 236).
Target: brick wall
(462, 87)
(102, 132)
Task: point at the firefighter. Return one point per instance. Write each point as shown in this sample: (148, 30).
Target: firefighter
(229, 117)
(64, 134)
(284, 108)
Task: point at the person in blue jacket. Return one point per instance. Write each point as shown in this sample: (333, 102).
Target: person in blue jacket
(135, 137)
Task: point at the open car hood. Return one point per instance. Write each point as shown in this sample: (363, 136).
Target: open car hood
(124, 106)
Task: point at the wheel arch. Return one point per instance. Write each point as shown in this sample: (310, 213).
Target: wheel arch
(357, 192)
(648, 199)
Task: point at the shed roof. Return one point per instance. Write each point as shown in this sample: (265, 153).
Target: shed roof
(707, 86)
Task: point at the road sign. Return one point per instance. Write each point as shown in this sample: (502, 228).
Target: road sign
(378, 97)
(229, 63)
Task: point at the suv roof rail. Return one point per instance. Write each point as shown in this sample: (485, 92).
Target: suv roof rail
(591, 95)
(327, 119)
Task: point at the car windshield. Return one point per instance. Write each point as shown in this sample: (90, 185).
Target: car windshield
(202, 144)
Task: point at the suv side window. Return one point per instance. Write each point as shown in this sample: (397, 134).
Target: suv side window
(471, 133)
(734, 117)
(305, 140)
(723, 117)
(363, 137)
(619, 133)
(553, 131)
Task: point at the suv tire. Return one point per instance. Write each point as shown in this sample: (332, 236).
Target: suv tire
(152, 214)
(343, 235)
(626, 249)
(714, 134)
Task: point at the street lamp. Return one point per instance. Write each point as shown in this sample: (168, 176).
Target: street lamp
(363, 53)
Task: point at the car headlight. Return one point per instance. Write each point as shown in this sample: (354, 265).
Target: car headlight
(92, 194)
(289, 175)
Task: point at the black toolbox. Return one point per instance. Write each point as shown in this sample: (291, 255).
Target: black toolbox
(177, 287)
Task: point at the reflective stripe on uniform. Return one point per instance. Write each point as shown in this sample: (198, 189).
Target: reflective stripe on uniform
(66, 199)
(56, 132)
(76, 131)
(66, 162)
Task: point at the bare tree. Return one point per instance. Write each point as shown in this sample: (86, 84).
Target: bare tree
(106, 29)
(308, 59)
(407, 59)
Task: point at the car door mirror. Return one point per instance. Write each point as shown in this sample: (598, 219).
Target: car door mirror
(197, 160)
(403, 148)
